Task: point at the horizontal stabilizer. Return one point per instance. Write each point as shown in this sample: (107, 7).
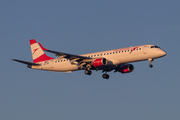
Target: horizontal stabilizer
(25, 62)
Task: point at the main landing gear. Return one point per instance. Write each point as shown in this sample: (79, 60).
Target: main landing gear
(105, 76)
(150, 61)
(88, 72)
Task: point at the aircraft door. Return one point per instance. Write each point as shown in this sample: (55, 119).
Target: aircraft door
(144, 49)
(51, 63)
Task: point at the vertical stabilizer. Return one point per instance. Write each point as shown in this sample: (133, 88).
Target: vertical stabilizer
(38, 54)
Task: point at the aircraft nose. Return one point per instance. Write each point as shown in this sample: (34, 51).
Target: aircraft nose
(163, 53)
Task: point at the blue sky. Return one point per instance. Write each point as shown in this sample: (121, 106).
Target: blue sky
(79, 27)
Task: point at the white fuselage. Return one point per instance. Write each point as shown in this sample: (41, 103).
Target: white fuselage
(115, 57)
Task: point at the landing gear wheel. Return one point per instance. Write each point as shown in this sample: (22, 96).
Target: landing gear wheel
(150, 61)
(150, 66)
(88, 72)
(105, 76)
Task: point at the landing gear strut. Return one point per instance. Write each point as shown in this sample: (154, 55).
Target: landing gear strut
(105, 76)
(150, 61)
(88, 72)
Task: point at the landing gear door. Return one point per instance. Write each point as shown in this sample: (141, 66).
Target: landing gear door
(144, 49)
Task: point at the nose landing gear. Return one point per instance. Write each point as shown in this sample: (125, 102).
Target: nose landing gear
(150, 61)
(150, 66)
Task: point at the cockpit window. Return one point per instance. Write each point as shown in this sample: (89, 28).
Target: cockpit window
(155, 47)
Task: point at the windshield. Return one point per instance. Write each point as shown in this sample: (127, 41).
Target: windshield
(155, 47)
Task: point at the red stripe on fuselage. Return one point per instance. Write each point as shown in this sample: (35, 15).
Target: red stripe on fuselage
(32, 41)
(43, 57)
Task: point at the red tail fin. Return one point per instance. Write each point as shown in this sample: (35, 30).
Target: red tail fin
(37, 53)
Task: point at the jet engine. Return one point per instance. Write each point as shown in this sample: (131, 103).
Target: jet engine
(99, 62)
(126, 68)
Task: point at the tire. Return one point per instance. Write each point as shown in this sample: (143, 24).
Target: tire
(105, 76)
(150, 66)
(89, 72)
(86, 72)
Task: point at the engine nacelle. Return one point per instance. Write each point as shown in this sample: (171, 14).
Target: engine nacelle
(99, 62)
(126, 68)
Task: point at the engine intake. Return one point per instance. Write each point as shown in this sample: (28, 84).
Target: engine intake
(99, 62)
(126, 68)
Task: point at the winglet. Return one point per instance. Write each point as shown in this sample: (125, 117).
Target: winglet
(42, 46)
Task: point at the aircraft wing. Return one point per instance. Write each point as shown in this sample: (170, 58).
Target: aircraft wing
(82, 60)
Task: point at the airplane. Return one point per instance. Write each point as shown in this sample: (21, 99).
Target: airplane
(118, 59)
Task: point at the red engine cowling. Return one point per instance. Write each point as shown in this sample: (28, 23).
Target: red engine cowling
(99, 62)
(126, 68)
